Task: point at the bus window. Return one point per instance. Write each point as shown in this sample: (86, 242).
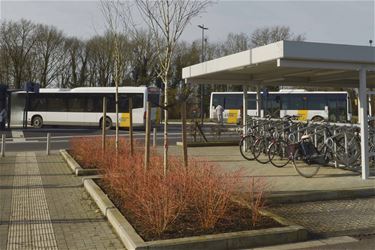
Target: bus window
(95, 103)
(123, 105)
(76, 103)
(137, 101)
(271, 105)
(316, 102)
(154, 99)
(218, 99)
(251, 103)
(295, 101)
(56, 103)
(233, 101)
(38, 102)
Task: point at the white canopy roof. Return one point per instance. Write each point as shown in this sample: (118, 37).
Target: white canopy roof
(289, 63)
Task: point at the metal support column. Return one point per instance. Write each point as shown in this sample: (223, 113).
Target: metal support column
(258, 102)
(244, 106)
(358, 108)
(370, 105)
(363, 123)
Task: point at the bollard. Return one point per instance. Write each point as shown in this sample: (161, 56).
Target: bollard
(3, 145)
(154, 137)
(335, 147)
(48, 143)
(346, 149)
(316, 137)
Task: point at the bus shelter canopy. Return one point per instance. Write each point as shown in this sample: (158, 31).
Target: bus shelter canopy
(289, 63)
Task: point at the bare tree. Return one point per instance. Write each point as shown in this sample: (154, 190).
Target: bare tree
(116, 14)
(267, 35)
(144, 58)
(76, 63)
(49, 52)
(167, 19)
(17, 41)
(235, 43)
(100, 60)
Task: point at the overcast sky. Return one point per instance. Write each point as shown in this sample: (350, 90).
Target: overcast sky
(348, 22)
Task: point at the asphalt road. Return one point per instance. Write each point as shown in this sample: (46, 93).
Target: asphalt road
(32, 139)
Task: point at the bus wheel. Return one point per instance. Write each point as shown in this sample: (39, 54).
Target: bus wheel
(108, 123)
(37, 122)
(317, 119)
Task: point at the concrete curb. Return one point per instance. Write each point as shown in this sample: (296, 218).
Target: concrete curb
(210, 144)
(308, 196)
(75, 167)
(316, 244)
(244, 239)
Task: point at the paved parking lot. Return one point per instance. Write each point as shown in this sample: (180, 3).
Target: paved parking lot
(332, 218)
(285, 182)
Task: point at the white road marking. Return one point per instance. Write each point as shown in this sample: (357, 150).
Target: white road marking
(18, 136)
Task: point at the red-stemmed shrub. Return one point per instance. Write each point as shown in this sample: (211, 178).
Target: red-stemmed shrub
(155, 202)
(212, 189)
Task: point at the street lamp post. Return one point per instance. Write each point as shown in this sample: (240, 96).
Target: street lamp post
(202, 60)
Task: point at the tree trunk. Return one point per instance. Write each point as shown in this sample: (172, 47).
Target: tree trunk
(147, 134)
(165, 163)
(104, 122)
(131, 125)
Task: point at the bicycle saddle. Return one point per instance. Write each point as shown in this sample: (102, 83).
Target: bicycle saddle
(305, 137)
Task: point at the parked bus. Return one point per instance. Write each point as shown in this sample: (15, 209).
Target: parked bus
(334, 106)
(84, 106)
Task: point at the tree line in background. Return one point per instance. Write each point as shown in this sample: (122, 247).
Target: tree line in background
(44, 54)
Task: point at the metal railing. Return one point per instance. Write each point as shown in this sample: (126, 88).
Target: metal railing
(48, 140)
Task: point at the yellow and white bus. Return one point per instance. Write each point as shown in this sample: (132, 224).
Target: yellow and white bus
(84, 106)
(334, 106)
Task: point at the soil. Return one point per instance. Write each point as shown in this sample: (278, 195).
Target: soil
(79, 162)
(239, 220)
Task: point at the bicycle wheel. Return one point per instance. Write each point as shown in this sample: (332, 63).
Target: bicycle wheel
(349, 156)
(278, 153)
(303, 166)
(260, 151)
(246, 145)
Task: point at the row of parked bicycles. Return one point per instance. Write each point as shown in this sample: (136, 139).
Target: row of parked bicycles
(308, 146)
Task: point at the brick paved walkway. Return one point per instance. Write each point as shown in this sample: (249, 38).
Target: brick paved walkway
(331, 218)
(43, 206)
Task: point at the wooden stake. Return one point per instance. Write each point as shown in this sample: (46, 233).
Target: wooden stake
(131, 125)
(184, 140)
(104, 122)
(147, 134)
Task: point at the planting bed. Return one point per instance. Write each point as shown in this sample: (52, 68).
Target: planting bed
(238, 218)
(198, 206)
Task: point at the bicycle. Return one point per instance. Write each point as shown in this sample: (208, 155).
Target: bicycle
(247, 140)
(307, 159)
(277, 150)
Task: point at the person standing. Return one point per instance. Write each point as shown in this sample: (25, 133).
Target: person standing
(3, 118)
(219, 112)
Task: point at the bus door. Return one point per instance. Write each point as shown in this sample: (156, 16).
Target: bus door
(124, 116)
(274, 105)
(332, 107)
(337, 108)
(233, 105)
